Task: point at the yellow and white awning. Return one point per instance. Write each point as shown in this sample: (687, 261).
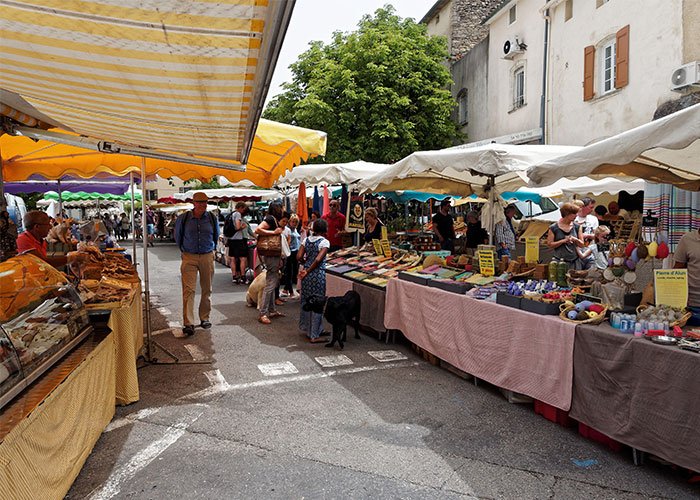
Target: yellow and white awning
(181, 76)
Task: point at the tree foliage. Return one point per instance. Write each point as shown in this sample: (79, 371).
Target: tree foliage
(380, 92)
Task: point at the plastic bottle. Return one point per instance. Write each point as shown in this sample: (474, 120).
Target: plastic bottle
(614, 320)
(638, 329)
(552, 271)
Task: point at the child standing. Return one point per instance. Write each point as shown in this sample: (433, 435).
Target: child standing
(595, 254)
(312, 253)
(291, 269)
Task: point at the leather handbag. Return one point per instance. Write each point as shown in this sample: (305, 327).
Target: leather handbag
(269, 245)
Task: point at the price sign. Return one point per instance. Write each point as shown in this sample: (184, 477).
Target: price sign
(487, 263)
(386, 248)
(377, 247)
(532, 249)
(671, 287)
(384, 233)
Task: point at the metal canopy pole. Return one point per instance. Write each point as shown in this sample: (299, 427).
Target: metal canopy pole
(60, 198)
(3, 201)
(492, 215)
(133, 217)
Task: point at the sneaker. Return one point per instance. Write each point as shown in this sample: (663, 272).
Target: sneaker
(205, 324)
(284, 294)
(188, 330)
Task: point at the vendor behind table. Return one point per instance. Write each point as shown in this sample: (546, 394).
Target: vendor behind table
(564, 236)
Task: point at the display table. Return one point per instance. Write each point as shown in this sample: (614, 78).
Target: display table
(512, 349)
(639, 393)
(127, 324)
(372, 299)
(48, 432)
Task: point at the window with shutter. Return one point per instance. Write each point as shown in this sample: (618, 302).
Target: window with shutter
(607, 66)
(588, 70)
(622, 44)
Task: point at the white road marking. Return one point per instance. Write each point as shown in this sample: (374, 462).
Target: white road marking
(130, 418)
(299, 378)
(386, 356)
(275, 369)
(164, 311)
(216, 379)
(126, 472)
(174, 324)
(164, 330)
(331, 361)
(196, 352)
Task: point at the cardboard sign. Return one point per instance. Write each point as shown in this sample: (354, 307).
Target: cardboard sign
(386, 248)
(385, 236)
(671, 287)
(487, 263)
(377, 247)
(355, 218)
(532, 249)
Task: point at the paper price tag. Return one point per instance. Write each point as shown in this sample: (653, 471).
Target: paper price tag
(532, 249)
(384, 233)
(487, 263)
(386, 248)
(377, 247)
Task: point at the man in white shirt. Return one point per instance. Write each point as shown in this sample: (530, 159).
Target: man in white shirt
(687, 256)
(586, 220)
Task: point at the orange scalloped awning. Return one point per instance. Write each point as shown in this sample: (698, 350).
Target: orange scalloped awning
(276, 149)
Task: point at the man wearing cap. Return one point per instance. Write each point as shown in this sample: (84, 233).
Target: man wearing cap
(196, 233)
(444, 226)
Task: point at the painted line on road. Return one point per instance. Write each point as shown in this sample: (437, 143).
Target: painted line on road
(386, 356)
(164, 311)
(131, 418)
(196, 352)
(298, 378)
(126, 472)
(335, 360)
(276, 369)
(217, 380)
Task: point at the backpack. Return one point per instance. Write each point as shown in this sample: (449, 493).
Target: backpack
(229, 227)
(188, 214)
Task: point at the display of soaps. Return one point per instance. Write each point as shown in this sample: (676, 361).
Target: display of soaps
(532, 286)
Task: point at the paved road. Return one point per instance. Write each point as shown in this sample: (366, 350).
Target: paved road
(267, 419)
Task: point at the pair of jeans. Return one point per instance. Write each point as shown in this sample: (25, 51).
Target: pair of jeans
(311, 323)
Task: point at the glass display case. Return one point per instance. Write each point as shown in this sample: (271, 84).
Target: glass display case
(38, 335)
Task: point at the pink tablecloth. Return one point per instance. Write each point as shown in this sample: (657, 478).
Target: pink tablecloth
(337, 286)
(512, 349)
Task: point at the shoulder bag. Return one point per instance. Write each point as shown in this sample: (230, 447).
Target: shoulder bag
(270, 245)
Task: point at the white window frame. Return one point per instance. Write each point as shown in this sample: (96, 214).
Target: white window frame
(600, 3)
(607, 58)
(512, 14)
(518, 90)
(568, 10)
(463, 107)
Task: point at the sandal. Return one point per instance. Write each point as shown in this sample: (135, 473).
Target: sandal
(317, 340)
(276, 314)
(279, 302)
(264, 320)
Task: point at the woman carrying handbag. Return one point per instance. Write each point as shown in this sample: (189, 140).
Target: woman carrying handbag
(270, 251)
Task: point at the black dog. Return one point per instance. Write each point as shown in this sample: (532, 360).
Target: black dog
(338, 311)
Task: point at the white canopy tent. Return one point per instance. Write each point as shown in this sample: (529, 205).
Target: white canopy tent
(665, 151)
(230, 193)
(465, 170)
(329, 173)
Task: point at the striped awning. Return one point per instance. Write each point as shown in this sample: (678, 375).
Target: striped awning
(178, 76)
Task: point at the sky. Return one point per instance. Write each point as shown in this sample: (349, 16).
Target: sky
(318, 19)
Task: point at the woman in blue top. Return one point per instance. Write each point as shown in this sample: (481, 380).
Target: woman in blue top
(291, 269)
(313, 278)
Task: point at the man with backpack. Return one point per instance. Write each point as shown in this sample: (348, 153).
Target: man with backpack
(234, 229)
(196, 233)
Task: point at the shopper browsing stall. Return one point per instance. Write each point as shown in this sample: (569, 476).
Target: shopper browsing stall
(595, 254)
(687, 256)
(312, 253)
(504, 233)
(270, 227)
(564, 236)
(237, 243)
(443, 226)
(585, 218)
(196, 234)
(291, 268)
(373, 226)
(336, 225)
(476, 235)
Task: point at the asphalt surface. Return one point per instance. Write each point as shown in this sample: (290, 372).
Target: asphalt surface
(401, 428)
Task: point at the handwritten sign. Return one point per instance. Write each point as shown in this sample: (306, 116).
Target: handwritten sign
(377, 247)
(671, 287)
(487, 263)
(386, 248)
(532, 249)
(384, 233)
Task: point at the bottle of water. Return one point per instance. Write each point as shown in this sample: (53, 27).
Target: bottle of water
(638, 329)
(615, 320)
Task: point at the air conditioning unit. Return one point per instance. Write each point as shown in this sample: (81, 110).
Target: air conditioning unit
(513, 46)
(686, 75)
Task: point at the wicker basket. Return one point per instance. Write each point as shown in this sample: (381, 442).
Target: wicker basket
(590, 321)
(680, 323)
(525, 274)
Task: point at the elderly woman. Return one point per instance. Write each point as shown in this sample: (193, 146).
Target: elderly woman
(564, 237)
(373, 226)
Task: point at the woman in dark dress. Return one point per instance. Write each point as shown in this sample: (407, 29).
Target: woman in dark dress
(373, 226)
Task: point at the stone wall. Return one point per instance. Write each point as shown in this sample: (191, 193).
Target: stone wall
(467, 30)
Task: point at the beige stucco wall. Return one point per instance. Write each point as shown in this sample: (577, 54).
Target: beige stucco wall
(529, 27)
(691, 30)
(656, 49)
(441, 23)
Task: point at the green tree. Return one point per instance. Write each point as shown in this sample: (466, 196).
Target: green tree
(380, 92)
